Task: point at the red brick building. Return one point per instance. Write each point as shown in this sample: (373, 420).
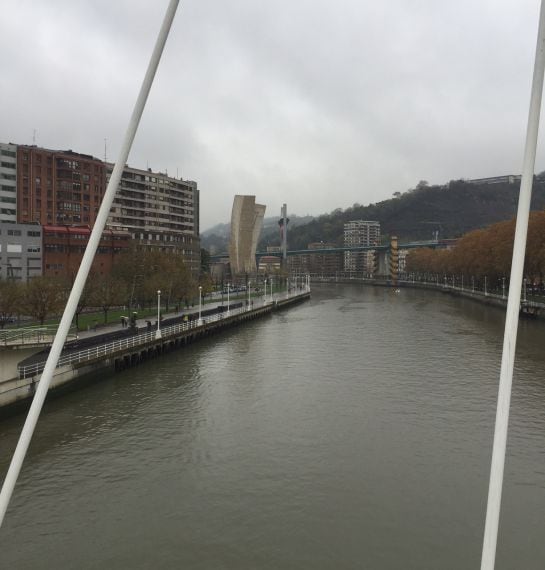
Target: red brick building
(58, 187)
(63, 248)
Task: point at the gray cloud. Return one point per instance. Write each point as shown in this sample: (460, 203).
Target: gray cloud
(312, 103)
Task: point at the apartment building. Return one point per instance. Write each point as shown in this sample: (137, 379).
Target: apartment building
(20, 251)
(66, 188)
(360, 233)
(58, 187)
(159, 212)
(8, 182)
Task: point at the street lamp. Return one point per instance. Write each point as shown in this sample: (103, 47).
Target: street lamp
(249, 287)
(485, 292)
(472, 284)
(158, 331)
(228, 289)
(503, 287)
(525, 289)
(200, 305)
(287, 287)
(265, 295)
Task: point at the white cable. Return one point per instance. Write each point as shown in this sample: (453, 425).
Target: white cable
(71, 305)
(513, 304)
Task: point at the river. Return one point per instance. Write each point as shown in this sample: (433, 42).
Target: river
(353, 431)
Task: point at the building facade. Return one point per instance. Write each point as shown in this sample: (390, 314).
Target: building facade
(317, 262)
(364, 234)
(8, 182)
(20, 251)
(159, 212)
(58, 187)
(64, 246)
(246, 224)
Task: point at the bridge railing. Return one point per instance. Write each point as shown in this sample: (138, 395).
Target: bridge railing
(31, 335)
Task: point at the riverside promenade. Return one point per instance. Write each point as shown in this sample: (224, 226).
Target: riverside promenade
(113, 348)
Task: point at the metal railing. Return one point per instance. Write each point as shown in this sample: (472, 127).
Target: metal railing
(117, 346)
(32, 335)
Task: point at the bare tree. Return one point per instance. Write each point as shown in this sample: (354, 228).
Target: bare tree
(43, 296)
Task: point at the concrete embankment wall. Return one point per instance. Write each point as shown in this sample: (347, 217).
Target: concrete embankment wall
(16, 390)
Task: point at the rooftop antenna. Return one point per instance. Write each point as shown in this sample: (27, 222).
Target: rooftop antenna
(105, 150)
(34, 137)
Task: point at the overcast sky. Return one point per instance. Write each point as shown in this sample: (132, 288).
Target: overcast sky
(315, 103)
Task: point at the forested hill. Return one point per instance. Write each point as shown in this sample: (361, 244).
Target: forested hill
(452, 210)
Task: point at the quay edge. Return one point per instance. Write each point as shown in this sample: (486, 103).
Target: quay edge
(16, 393)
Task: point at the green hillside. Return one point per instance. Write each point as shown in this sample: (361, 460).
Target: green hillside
(451, 210)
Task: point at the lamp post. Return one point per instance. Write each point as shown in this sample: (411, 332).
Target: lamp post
(503, 287)
(271, 289)
(485, 292)
(265, 295)
(524, 290)
(228, 290)
(472, 284)
(287, 287)
(200, 305)
(249, 284)
(158, 331)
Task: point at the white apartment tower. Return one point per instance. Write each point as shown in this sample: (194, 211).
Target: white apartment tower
(8, 182)
(360, 233)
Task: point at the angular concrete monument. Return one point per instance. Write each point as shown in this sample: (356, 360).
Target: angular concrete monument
(246, 224)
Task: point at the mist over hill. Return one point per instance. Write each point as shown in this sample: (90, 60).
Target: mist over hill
(216, 239)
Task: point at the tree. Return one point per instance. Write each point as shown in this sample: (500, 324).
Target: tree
(85, 299)
(43, 296)
(205, 261)
(108, 292)
(10, 300)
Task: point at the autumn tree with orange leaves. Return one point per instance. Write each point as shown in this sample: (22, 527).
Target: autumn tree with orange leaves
(486, 252)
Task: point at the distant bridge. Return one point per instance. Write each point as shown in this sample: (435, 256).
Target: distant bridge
(441, 244)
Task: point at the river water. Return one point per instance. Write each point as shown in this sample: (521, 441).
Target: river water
(353, 431)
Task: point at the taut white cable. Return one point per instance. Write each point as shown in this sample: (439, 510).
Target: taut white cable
(71, 305)
(513, 304)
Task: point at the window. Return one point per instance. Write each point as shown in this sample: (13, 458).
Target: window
(33, 249)
(14, 248)
(32, 233)
(14, 232)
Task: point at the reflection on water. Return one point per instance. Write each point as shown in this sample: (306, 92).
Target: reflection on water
(353, 431)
